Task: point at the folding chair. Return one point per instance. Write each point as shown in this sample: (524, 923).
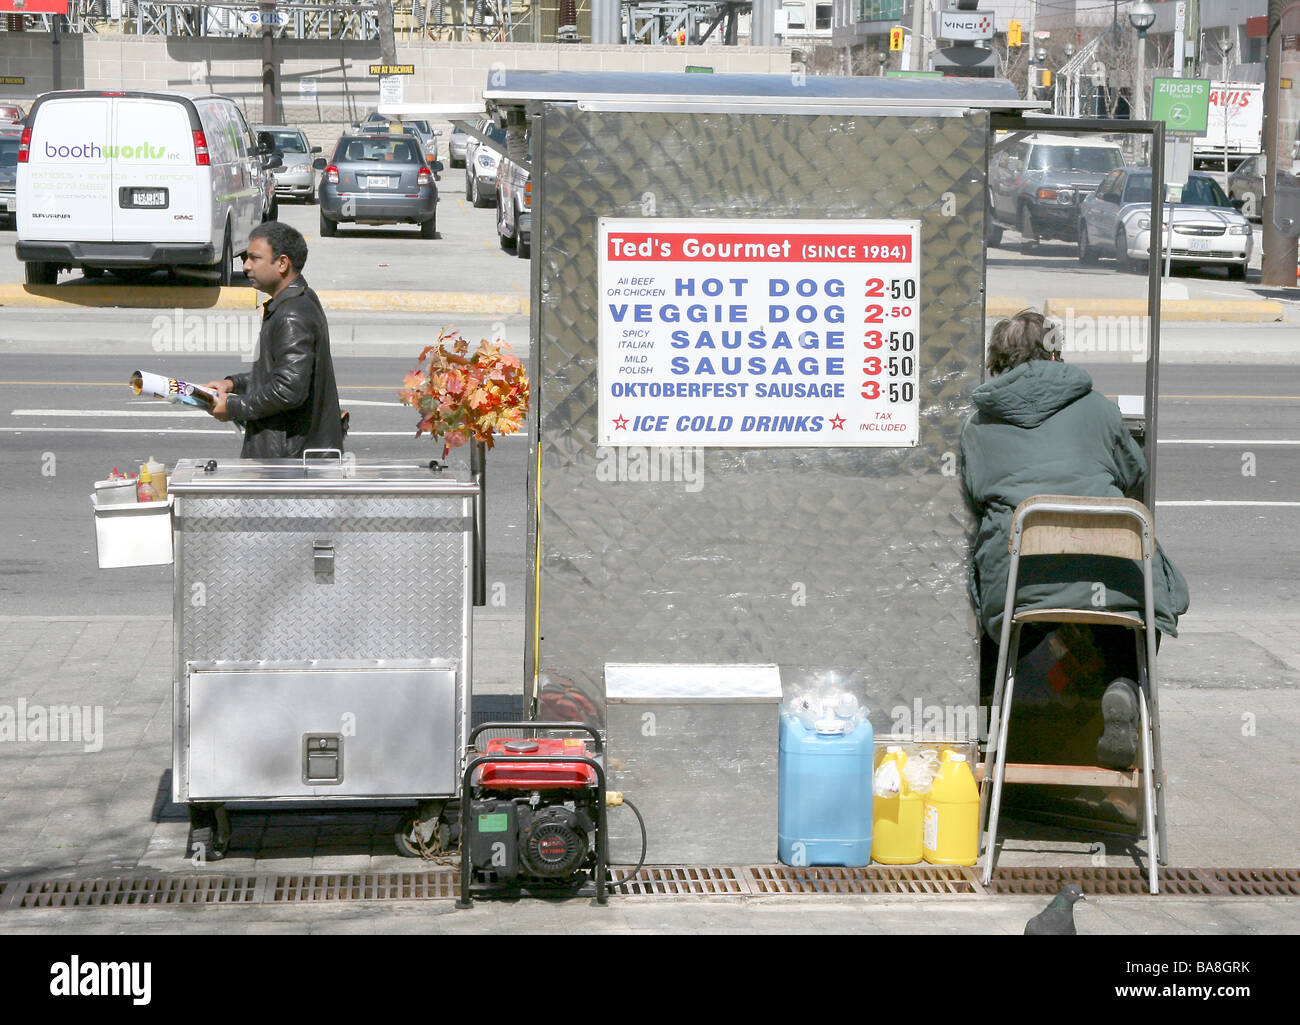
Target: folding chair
(1068, 525)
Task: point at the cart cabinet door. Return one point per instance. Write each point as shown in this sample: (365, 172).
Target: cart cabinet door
(314, 732)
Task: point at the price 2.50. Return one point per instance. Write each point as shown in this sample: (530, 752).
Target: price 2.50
(899, 288)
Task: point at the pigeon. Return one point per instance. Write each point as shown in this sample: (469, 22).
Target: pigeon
(1057, 919)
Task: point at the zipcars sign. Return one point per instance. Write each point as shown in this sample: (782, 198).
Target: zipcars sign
(758, 333)
(34, 7)
(1183, 104)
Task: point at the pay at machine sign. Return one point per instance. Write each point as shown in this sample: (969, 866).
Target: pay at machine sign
(759, 333)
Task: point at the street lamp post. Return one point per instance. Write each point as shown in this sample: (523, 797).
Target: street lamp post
(1141, 16)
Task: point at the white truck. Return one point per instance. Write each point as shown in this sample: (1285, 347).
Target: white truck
(1236, 123)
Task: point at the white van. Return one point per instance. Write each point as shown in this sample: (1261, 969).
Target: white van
(130, 181)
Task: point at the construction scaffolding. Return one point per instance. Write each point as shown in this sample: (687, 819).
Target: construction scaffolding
(690, 22)
(448, 20)
(653, 22)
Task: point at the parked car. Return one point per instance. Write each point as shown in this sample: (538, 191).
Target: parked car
(11, 112)
(1246, 185)
(456, 146)
(428, 136)
(162, 180)
(482, 164)
(422, 129)
(378, 179)
(515, 203)
(1206, 230)
(1036, 185)
(9, 139)
(295, 176)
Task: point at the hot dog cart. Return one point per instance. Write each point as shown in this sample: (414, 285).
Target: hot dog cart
(323, 632)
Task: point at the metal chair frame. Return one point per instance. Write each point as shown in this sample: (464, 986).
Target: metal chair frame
(1070, 525)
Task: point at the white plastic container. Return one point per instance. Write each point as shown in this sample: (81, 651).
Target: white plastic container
(132, 534)
(115, 492)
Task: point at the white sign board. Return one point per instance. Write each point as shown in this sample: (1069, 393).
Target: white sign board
(758, 333)
(306, 88)
(958, 26)
(391, 88)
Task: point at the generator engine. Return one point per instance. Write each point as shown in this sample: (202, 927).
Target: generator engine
(533, 824)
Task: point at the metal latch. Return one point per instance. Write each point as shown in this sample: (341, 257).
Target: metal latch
(323, 557)
(322, 758)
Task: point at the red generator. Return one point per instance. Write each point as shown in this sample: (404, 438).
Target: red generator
(533, 813)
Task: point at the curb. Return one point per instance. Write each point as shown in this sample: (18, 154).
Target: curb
(1256, 311)
(214, 298)
(1236, 311)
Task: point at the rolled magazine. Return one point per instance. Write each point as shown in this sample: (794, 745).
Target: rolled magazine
(171, 389)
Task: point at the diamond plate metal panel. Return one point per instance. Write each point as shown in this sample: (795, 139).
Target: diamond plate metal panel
(843, 561)
(248, 589)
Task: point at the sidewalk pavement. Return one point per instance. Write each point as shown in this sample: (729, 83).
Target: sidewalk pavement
(1230, 706)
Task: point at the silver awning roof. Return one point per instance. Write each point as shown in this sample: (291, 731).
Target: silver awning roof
(634, 90)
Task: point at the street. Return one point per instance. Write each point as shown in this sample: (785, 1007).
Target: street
(1228, 433)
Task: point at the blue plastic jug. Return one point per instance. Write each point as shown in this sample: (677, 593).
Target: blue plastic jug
(824, 792)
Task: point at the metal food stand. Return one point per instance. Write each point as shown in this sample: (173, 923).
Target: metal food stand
(841, 562)
(323, 632)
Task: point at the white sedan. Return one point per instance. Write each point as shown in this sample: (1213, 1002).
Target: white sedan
(1207, 230)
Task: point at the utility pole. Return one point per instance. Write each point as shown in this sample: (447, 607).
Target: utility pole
(387, 39)
(268, 17)
(1185, 60)
(1030, 75)
(1278, 265)
(918, 35)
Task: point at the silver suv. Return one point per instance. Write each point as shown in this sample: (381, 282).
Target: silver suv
(1037, 185)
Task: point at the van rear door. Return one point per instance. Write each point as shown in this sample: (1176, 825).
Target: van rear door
(64, 188)
(157, 183)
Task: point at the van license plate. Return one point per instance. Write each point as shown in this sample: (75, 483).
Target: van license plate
(148, 199)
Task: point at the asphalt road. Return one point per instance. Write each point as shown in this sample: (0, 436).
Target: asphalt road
(1229, 434)
(69, 420)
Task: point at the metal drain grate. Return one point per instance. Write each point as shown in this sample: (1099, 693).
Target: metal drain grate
(683, 881)
(1130, 881)
(321, 887)
(1257, 882)
(932, 879)
(657, 881)
(150, 891)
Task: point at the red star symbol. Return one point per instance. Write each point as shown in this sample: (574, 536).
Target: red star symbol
(620, 423)
(837, 422)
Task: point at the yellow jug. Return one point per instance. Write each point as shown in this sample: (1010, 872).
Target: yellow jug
(896, 831)
(952, 812)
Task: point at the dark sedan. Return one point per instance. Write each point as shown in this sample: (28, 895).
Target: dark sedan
(9, 141)
(378, 179)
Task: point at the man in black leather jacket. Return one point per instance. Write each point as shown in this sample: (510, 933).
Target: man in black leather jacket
(289, 402)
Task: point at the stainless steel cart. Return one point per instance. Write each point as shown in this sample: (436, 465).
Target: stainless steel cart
(323, 633)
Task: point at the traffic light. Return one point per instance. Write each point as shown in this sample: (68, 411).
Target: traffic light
(895, 38)
(1013, 34)
(1045, 78)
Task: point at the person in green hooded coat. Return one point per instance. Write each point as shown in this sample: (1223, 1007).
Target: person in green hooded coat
(1040, 428)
